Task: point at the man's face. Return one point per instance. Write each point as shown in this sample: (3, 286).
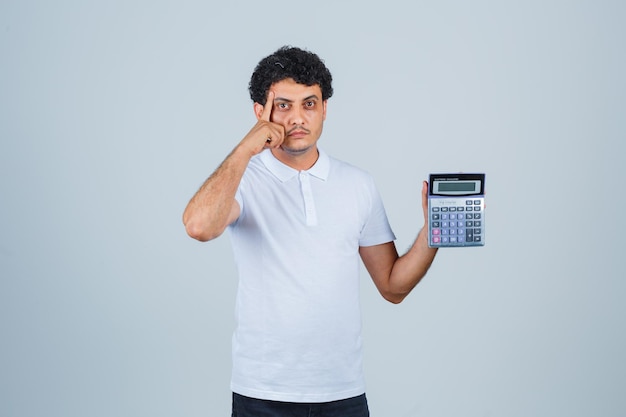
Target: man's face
(301, 111)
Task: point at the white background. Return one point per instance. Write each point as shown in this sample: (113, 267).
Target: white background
(112, 113)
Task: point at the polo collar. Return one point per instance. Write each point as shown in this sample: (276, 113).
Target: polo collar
(284, 173)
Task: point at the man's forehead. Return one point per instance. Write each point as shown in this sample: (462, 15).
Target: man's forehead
(291, 90)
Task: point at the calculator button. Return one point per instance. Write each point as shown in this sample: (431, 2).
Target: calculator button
(476, 208)
(453, 231)
(477, 224)
(436, 224)
(453, 240)
(476, 202)
(459, 224)
(468, 202)
(435, 209)
(445, 239)
(460, 216)
(469, 216)
(460, 239)
(460, 209)
(444, 231)
(453, 217)
(436, 239)
(436, 231)
(477, 239)
(435, 217)
(476, 231)
(469, 224)
(444, 217)
(452, 208)
(445, 224)
(444, 208)
(476, 215)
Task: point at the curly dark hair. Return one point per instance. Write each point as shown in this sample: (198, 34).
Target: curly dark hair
(302, 66)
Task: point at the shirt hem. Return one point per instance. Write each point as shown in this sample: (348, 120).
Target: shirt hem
(297, 397)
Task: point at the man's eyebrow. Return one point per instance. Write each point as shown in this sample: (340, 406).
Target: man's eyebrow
(312, 96)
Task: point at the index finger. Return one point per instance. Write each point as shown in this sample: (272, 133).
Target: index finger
(267, 109)
(425, 196)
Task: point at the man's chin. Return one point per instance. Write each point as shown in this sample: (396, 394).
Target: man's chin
(296, 150)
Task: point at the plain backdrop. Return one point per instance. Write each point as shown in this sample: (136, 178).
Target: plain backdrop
(112, 113)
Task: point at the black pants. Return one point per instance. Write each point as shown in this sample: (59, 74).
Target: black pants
(252, 407)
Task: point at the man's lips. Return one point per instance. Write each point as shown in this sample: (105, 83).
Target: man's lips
(298, 133)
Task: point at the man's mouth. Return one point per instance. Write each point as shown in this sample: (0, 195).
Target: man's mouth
(298, 132)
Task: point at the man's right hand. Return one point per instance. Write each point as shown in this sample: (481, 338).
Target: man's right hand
(264, 134)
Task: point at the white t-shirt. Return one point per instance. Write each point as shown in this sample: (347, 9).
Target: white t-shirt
(296, 241)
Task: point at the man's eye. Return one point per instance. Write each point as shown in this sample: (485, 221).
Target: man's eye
(282, 106)
(310, 104)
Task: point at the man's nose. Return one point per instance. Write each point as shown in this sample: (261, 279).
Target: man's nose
(297, 116)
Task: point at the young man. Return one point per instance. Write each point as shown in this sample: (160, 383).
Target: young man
(300, 220)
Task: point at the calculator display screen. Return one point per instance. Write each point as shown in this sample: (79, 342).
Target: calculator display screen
(457, 186)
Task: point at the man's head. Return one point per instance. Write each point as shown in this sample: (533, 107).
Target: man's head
(302, 66)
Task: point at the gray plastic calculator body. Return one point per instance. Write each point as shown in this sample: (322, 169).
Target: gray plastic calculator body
(456, 210)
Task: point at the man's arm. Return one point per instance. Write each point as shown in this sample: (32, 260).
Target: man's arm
(214, 207)
(395, 276)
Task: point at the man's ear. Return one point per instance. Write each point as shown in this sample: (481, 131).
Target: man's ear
(258, 110)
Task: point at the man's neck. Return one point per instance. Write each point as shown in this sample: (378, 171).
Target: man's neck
(300, 161)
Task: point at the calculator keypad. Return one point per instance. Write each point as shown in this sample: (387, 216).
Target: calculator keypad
(456, 222)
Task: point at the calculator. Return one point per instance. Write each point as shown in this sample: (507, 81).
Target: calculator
(456, 210)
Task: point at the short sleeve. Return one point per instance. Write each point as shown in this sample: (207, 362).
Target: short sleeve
(377, 229)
